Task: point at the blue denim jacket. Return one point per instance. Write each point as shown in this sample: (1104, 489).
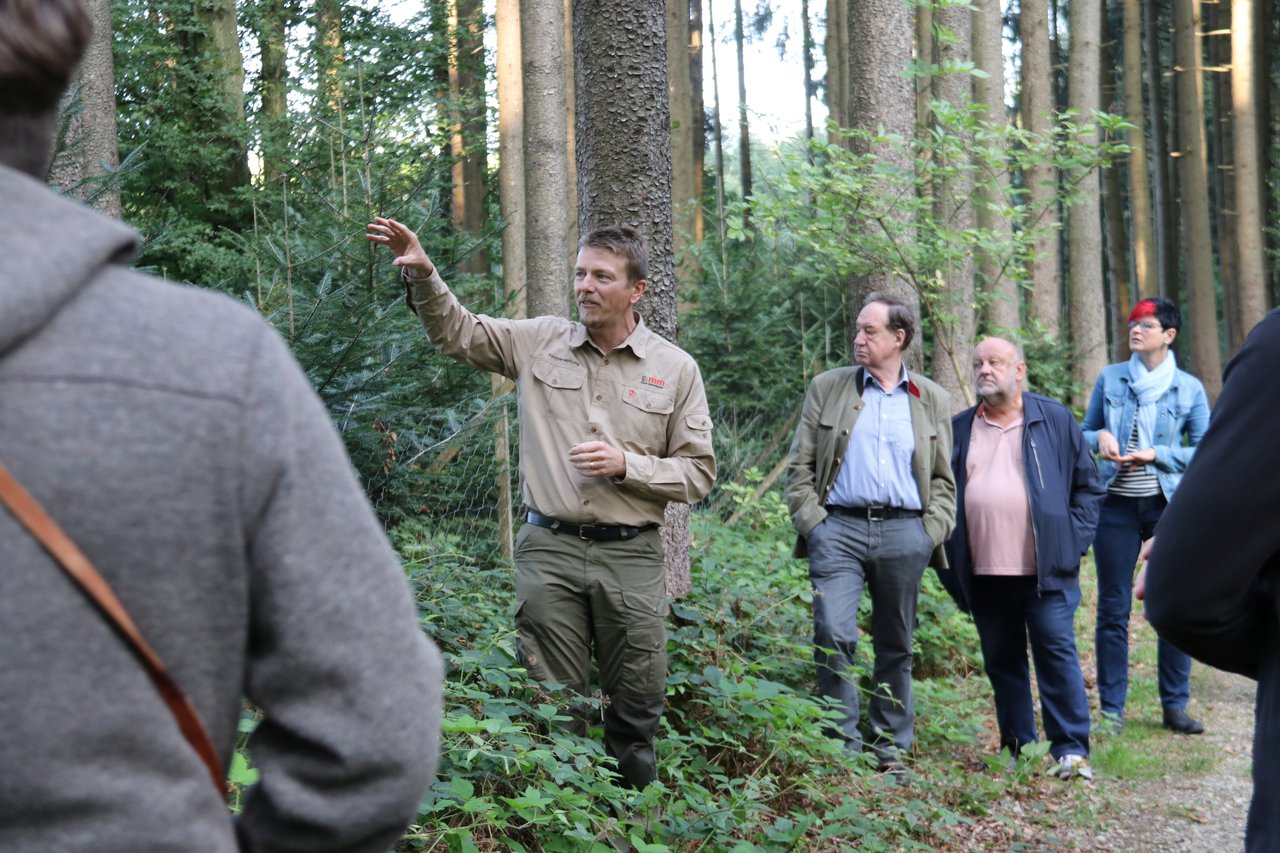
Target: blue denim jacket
(1183, 412)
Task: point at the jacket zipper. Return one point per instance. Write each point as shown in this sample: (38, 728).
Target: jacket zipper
(1035, 532)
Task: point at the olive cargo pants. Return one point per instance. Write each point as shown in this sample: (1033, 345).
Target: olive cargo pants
(575, 595)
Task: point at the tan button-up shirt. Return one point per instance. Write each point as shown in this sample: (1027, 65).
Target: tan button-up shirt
(645, 398)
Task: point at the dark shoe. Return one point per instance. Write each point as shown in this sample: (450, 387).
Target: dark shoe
(1178, 720)
(893, 770)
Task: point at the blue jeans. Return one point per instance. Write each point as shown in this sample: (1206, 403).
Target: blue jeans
(1007, 612)
(889, 558)
(1122, 526)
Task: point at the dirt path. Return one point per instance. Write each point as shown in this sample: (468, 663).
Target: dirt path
(1203, 811)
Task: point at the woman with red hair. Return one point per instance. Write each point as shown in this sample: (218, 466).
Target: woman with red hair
(1144, 421)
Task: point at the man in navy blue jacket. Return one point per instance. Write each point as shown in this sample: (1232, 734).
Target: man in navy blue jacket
(1027, 501)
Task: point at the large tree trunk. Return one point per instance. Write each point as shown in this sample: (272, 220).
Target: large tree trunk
(1206, 360)
(1045, 299)
(806, 49)
(90, 153)
(953, 318)
(467, 139)
(1144, 246)
(546, 157)
(992, 190)
(571, 188)
(880, 97)
(624, 169)
(1250, 217)
(1084, 220)
(511, 169)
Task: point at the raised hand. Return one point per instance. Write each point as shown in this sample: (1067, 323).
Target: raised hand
(403, 243)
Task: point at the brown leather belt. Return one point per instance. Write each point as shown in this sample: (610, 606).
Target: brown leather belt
(594, 532)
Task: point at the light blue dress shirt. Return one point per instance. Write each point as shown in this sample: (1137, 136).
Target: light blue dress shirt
(877, 464)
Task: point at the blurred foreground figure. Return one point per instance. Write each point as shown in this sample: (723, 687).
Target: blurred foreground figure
(1211, 580)
(172, 436)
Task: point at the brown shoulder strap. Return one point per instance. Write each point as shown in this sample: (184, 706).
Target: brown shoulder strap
(47, 532)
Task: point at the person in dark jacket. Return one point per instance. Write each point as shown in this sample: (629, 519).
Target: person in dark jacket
(1211, 583)
(1027, 499)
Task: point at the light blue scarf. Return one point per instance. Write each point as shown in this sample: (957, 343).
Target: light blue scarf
(1149, 386)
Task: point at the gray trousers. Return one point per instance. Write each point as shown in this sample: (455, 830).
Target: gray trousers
(888, 558)
(576, 596)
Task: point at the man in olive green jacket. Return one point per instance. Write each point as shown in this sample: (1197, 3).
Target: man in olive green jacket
(870, 490)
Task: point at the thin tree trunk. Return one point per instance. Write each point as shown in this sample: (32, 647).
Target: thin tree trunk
(545, 157)
(467, 139)
(1119, 295)
(837, 50)
(806, 49)
(718, 133)
(1045, 299)
(1084, 217)
(1000, 292)
(744, 130)
(699, 117)
(684, 191)
(1144, 247)
(1218, 47)
(571, 130)
(954, 320)
(1203, 321)
(1250, 246)
(511, 168)
(1163, 218)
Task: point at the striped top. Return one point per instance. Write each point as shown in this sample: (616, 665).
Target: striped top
(1138, 481)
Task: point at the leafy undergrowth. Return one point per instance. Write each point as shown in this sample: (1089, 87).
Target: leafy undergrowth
(744, 763)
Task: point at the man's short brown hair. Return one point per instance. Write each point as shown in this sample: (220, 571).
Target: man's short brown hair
(41, 42)
(621, 240)
(900, 314)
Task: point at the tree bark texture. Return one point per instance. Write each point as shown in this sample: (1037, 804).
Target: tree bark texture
(511, 168)
(624, 169)
(880, 96)
(1250, 216)
(1119, 289)
(1041, 181)
(571, 188)
(273, 119)
(837, 51)
(699, 116)
(546, 157)
(1087, 300)
(1217, 49)
(90, 153)
(1206, 360)
(990, 196)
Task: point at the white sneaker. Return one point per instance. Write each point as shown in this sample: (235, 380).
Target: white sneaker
(1069, 766)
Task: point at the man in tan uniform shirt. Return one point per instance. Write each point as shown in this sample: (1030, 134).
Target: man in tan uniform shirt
(613, 424)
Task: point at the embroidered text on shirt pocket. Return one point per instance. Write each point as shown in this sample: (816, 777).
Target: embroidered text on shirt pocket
(562, 389)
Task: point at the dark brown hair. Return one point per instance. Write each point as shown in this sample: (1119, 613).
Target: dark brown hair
(621, 240)
(41, 42)
(900, 314)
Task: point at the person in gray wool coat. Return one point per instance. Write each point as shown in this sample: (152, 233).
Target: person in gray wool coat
(172, 435)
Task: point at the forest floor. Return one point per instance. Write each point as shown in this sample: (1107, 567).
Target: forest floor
(1153, 790)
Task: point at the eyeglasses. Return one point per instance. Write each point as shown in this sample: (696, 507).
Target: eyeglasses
(1145, 325)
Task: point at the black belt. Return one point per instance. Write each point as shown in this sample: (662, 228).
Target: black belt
(874, 513)
(594, 532)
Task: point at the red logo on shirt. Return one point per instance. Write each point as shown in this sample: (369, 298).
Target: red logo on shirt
(654, 381)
